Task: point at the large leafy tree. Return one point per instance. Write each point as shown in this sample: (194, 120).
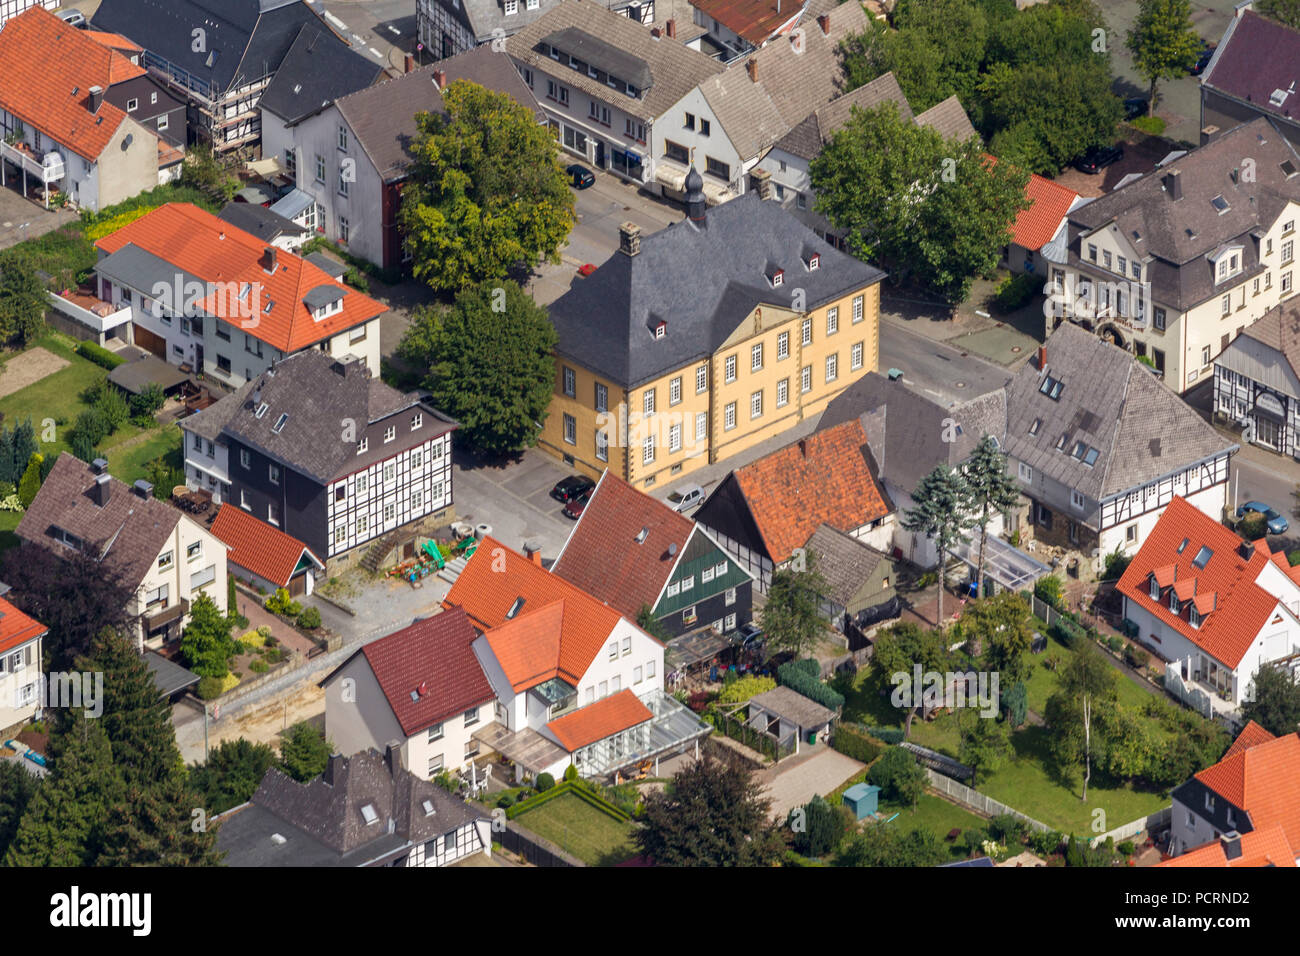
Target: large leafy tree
(490, 364)
(1275, 705)
(898, 776)
(898, 651)
(486, 192)
(985, 743)
(790, 619)
(935, 212)
(710, 814)
(1286, 12)
(992, 490)
(1086, 699)
(232, 773)
(22, 298)
(205, 643)
(304, 752)
(886, 845)
(1163, 42)
(1001, 628)
(942, 512)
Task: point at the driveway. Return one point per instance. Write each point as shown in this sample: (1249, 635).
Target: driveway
(22, 219)
(815, 770)
(514, 499)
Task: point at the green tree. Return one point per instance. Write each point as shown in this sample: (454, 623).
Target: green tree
(985, 743)
(1285, 12)
(1163, 42)
(646, 620)
(898, 652)
(1004, 629)
(1015, 705)
(817, 826)
(791, 620)
(898, 776)
(1086, 694)
(942, 512)
(1275, 703)
(22, 298)
(31, 480)
(66, 822)
(232, 773)
(209, 174)
(17, 787)
(710, 814)
(157, 825)
(991, 488)
(485, 193)
(885, 845)
(304, 752)
(205, 643)
(490, 365)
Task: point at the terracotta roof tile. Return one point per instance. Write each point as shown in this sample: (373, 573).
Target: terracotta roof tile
(821, 479)
(48, 69)
(434, 658)
(1048, 203)
(1264, 781)
(1266, 847)
(190, 240)
(599, 720)
(1251, 736)
(1243, 606)
(603, 557)
(266, 551)
(17, 628)
(528, 646)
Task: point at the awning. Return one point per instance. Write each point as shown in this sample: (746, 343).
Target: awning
(149, 369)
(671, 175)
(1010, 567)
(1268, 413)
(694, 648)
(266, 168)
(527, 747)
(292, 204)
(717, 194)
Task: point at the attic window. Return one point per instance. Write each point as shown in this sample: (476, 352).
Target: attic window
(1154, 589)
(428, 808)
(1079, 449)
(1033, 428)
(1220, 204)
(813, 261)
(778, 277)
(1052, 387)
(279, 424)
(660, 329)
(261, 410)
(1173, 602)
(1090, 458)
(642, 535)
(515, 608)
(1183, 546)
(1202, 557)
(1193, 617)
(368, 814)
(297, 87)
(267, 310)
(1060, 442)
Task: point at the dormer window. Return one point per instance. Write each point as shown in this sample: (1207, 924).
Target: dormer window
(1154, 588)
(363, 445)
(1194, 617)
(1174, 604)
(416, 421)
(778, 278)
(390, 433)
(1052, 388)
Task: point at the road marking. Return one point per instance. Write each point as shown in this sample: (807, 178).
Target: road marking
(377, 54)
(335, 20)
(393, 30)
(358, 38)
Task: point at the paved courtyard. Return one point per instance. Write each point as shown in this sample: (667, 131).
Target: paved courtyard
(22, 219)
(815, 770)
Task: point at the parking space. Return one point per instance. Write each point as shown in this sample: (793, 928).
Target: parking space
(514, 499)
(22, 219)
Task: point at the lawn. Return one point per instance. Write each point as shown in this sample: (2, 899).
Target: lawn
(8, 522)
(936, 815)
(579, 828)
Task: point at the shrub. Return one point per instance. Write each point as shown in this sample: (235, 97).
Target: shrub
(149, 400)
(799, 677)
(447, 782)
(1007, 829)
(1045, 844)
(887, 735)
(1135, 657)
(259, 667)
(252, 639)
(853, 742)
(309, 619)
(506, 800)
(699, 701)
(544, 782)
(210, 688)
(31, 480)
(745, 688)
(1293, 557)
(898, 776)
(99, 355)
(1253, 526)
(1115, 644)
(265, 631)
(280, 603)
(1017, 290)
(1151, 125)
(1126, 848)
(357, 279)
(973, 840)
(1069, 632)
(1116, 565)
(571, 772)
(112, 405)
(818, 827)
(92, 426)
(1048, 590)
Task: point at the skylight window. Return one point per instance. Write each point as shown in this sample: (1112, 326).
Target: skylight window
(1288, 168)
(1090, 458)
(261, 410)
(368, 814)
(428, 808)
(1052, 387)
(1202, 557)
(1220, 204)
(279, 424)
(1037, 423)
(1182, 547)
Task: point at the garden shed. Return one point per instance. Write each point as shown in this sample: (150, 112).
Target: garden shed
(782, 712)
(863, 799)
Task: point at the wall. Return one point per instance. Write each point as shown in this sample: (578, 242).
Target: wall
(456, 735)
(18, 683)
(671, 125)
(645, 651)
(154, 105)
(177, 576)
(124, 173)
(366, 721)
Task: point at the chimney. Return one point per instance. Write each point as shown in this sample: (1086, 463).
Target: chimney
(268, 260)
(1042, 358)
(143, 489)
(671, 28)
(1174, 184)
(440, 79)
(1208, 133)
(629, 238)
(393, 759)
(536, 557)
(99, 466)
(334, 769)
(751, 67)
(1231, 843)
(102, 490)
(824, 21)
(763, 182)
(803, 448)
(96, 97)
(408, 64)
(656, 32)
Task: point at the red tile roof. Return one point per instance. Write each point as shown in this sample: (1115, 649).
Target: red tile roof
(488, 587)
(821, 479)
(1251, 736)
(16, 628)
(257, 547)
(48, 69)
(1243, 606)
(1264, 781)
(190, 239)
(434, 658)
(599, 720)
(1048, 203)
(754, 20)
(1266, 847)
(603, 557)
(115, 41)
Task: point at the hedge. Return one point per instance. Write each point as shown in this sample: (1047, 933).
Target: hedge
(887, 735)
(579, 789)
(855, 742)
(799, 677)
(1069, 632)
(99, 355)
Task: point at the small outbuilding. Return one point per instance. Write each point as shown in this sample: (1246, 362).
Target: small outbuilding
(863, 799)
(782, 712)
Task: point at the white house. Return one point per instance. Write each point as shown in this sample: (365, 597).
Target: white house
(21, 671)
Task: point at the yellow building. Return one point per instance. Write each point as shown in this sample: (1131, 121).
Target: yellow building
(702, 340)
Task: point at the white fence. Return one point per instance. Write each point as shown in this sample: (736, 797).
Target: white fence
(1155, 821)
(979, 801)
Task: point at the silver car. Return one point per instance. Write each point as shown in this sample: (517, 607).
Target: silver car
(686, 497)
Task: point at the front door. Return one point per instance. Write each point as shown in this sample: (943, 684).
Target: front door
(1266, 432)
(198, 358)
(600, 154)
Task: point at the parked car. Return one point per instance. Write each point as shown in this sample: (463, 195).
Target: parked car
(577, 506)
(1134, 107)
(748, 635)
(686, 497)
(1203, 60)
(580, 176)
(74, 18)
(1098, 158)
(586, 269)
(1275, 522)
(572, 487)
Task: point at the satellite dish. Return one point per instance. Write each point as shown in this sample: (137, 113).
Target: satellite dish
(672, 548)
(127, 141)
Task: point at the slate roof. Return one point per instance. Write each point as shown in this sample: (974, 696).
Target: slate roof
(126, 534)
(1140, 429)
(843, 561)
(822, 479)
(1256, 57)
(603, 557)
(48, 68)
(258, 547)
(675, 69)
(1278, 330)
(948, 119)
(745, 111)
(317, 392)
(317, 70)
(180, 237)
(245, 39)
(17, 628)
(1181, 234)
(324, 820)
(1234, 606)
(704, 281)
(907, 429)
(594, 722)
(808, 137)
(433, 654)
(259, 221)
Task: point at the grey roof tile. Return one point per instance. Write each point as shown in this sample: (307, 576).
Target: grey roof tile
(317, 70)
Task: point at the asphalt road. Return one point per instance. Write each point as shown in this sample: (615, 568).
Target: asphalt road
(382, 30)
(944, 373)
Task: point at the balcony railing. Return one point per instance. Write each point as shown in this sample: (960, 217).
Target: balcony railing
(48, 168)
(167, 615)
